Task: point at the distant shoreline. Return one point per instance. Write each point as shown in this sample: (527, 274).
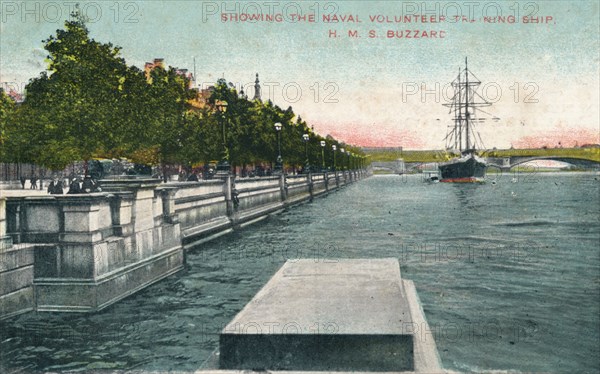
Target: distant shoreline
(499, 172)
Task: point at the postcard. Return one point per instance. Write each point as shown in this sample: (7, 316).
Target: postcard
(365, 186)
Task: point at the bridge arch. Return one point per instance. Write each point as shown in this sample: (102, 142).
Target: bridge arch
(396, 166)
(575, 161)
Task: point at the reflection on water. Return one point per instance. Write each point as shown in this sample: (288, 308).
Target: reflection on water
(507, 273)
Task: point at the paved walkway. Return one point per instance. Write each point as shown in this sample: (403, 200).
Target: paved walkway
(27, 191)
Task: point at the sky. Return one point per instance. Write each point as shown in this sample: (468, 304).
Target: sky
(542, 77)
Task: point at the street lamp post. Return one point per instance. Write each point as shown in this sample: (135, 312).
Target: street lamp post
(306, 138)
(348, 154)
(342, 160)
(279, 161)
(334, 147)
(323, 155)
(223, 166)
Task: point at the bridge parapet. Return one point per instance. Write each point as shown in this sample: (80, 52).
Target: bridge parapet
(397, 166)
(507, 163)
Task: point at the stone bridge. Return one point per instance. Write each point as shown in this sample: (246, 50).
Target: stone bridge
(507, 163)
(587, 156)
(396, 166)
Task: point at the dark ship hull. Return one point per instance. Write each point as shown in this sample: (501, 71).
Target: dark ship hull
(466, 169)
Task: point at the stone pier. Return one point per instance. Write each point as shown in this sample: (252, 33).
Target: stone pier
(331, 315)
(16, 272)
(92, 250)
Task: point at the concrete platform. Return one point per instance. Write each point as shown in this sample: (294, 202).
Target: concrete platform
(330, 315)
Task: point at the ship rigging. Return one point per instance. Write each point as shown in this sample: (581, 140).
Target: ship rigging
(464, 105)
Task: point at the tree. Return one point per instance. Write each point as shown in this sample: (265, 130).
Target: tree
(89, 103)
(240, 124)
(7, 108)
(166, 126)
(76, 111)
(251, 136)
(202, 143)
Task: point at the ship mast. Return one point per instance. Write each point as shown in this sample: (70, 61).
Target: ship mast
(459, 119)
(468, 143)
(465, 100)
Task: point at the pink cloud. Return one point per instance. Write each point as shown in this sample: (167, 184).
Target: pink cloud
(567, 137)
(375, 135)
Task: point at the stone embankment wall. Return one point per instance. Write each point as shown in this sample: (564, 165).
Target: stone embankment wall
(81, 253)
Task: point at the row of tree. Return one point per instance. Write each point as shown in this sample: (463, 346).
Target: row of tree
(91, 104)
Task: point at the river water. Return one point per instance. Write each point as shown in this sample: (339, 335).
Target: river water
(508, 274)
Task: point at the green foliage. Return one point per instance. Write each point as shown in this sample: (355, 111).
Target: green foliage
(586, 153)
(90, 103)
(76, 111)
(165, 125)
(252, 138)
(7, 107)
(411, 156)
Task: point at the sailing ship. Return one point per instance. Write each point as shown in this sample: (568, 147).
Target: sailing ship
(464, 105)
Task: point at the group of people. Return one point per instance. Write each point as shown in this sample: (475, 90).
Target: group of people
(195, 175)
(77, 186)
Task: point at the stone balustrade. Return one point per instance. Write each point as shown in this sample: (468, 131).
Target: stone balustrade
(85, 252)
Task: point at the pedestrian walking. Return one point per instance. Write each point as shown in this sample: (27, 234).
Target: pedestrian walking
(33, 181)
(182, 176)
